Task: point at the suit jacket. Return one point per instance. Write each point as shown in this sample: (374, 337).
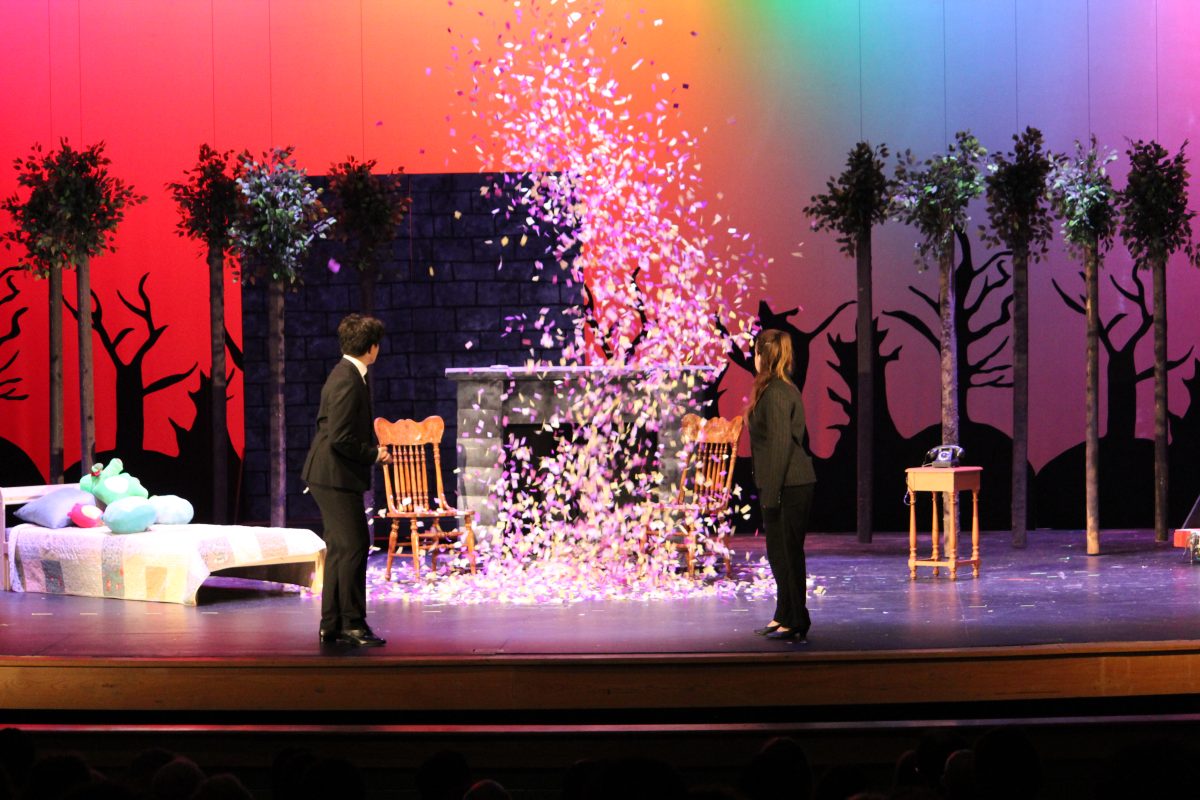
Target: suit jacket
(776, 442)
(343, 450)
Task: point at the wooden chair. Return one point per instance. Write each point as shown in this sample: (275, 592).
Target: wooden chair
(701, 499)
(406, 482)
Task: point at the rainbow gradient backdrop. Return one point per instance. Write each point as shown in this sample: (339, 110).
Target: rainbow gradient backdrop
(780, 88)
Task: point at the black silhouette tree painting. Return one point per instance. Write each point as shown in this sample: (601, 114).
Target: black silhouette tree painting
(1122, 376)
(73, 208)
(131, 387)
(1018, 209)
(16, 468)
(976, 317)
(209, 202)
(852, 205)
(1082, 195)
(982, 312)
(1156, 223)
(801, 339)
(10, 387)
(801, 356)
(892, 451)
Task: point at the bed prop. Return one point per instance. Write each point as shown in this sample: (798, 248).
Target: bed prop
(166, 563)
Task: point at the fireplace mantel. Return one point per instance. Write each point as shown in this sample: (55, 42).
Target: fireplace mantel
(493, 398)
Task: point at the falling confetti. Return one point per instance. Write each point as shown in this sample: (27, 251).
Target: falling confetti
(613, 194)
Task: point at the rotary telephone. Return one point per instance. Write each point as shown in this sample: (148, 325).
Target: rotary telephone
(946, 455)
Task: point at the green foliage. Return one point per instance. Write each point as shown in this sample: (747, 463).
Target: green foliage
(73, 208)
(1082, 195)
(282, 216)
(1155, 220)
(210, 200)
(934, 199)
(368, 207)
(856, 200)
(1017, 196)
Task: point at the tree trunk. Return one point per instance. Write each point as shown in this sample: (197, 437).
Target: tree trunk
(277, 439)
(1020, 411)
(56, 376)
(87, 389)
(366, 289)
(948, 345)
(949, 354)
(1160, 399)
(1091, 470)
(866, 389)
(216, 318)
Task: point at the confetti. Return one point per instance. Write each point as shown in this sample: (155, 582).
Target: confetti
(605, 188)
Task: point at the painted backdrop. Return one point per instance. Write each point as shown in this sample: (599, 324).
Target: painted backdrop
(775, 91)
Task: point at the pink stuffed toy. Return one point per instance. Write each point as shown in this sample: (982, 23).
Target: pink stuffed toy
(85, 515)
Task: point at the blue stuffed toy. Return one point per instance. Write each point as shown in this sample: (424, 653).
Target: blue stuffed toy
(111, 483)
(129, 515)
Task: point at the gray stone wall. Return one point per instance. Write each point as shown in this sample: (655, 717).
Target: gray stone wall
(442, 288)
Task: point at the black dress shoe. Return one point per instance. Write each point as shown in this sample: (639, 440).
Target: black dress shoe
(767, 629)
(329, 637)
(788, 633)
(360, 637)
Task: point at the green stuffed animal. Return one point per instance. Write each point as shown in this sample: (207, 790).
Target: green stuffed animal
(111, 483)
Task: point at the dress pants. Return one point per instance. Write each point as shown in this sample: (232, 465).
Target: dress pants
(785, 528)
(347, 542)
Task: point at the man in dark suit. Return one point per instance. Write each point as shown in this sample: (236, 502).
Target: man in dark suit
(337, 472)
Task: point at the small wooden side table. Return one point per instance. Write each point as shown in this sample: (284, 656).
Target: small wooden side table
(950, 481)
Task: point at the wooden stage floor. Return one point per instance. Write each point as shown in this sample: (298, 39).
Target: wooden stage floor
(1046, 629)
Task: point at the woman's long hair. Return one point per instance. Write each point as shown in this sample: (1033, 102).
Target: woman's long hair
(774, 351)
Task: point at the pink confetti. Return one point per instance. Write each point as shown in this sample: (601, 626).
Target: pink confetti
(616, 182)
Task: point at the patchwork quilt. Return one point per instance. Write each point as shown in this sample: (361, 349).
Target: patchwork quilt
(166, 563)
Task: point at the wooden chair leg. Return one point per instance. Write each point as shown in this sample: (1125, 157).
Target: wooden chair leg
(416, 548)
(470, 543)
(391, 550)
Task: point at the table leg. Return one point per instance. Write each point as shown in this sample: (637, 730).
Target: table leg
(952, 535)
(912, 535)
(934, 526)
(975, 531)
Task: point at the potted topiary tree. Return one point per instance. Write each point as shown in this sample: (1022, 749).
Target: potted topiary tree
(854, 203)
(283, 215)
(934, 200)
(368, 207)
(1155, 223)
(70, 216)
(209, 202)
(1082, 195)
(1018, 209)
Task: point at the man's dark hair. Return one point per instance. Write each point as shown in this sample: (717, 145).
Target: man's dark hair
(358, 333)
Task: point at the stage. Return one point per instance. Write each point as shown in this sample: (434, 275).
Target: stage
(1043, 630)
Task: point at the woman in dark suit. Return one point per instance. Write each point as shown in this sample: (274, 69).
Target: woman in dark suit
(783, 472)
(337, 472)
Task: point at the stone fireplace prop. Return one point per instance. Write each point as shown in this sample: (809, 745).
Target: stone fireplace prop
(496, 401)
